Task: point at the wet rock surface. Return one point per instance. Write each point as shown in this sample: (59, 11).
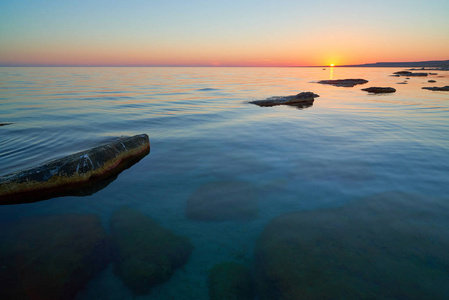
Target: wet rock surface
(379, 90)
(223, 200)
(382, 247)
(344, 82)
(146, 254)
(79, 174)
(302, 100)
(51, 257)
(230, 280)
(436, 88)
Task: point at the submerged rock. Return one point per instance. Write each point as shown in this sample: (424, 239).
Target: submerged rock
(147, 254)
(379, 90)
(230, 281)
(436, 88)
(51, 257)
(223, 200)
(389, 246)
(303, 99)
(79, 174)
(344, 82)
(4, 124)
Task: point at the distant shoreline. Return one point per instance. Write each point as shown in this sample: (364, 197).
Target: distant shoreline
(415, 64)
(442, 64)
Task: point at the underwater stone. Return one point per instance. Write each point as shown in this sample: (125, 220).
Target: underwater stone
(223, 200)
(302, 100)
(379, 90)
(147, 254)
(74, 174)
(436, 88)
(230, 280)
(344, 82)
(51, 257)
(388, 246)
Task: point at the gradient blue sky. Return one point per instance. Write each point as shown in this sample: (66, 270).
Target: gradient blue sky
(209, 33)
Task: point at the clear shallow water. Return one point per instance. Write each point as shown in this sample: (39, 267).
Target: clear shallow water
(349, 145)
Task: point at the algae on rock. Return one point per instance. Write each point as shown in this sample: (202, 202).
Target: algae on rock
(147, 254)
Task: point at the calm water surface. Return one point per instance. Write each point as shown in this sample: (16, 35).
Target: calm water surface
(348, 146)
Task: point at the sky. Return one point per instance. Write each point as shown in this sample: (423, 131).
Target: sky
(221, 33)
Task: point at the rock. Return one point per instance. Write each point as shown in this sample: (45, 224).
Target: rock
(388, 246)
(436, 88)
(303, 99)
(51, 257)
(432, 81)
(223, 200)
(230, 281)
(4, 124)
(408, 73)
(394, 75)
(403, 82)
(433, 73)
(379, 90)
(147, 254)
(77, 174)
(402, 73)
(344, 82)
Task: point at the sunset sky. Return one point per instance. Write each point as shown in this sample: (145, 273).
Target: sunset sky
(221, 33)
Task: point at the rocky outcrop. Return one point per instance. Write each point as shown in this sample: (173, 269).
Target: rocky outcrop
(303, 99)
(344, 82)
(379, 90)
(147, 254)
(436, 88)
(388, 246)
(51, 257)
(223, 200)
(77, 174)
(230, 281)
(408, 73)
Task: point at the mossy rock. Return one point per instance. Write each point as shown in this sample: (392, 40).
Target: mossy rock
(223, 200)
(389, 246)
(147, 254)
(230, 281)
(51, 257)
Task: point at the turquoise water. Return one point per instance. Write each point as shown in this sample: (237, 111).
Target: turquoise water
(348, 146)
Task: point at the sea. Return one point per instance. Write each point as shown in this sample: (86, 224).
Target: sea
(348, 146)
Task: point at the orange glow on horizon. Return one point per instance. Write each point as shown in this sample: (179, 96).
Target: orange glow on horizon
(331, 65)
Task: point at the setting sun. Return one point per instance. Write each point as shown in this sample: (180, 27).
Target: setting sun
(331, 65)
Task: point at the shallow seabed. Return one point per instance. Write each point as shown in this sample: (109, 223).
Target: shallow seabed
(348, 146)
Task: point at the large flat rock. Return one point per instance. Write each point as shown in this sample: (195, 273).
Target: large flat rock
(301, 100)
(344, 82)
(82, 173)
